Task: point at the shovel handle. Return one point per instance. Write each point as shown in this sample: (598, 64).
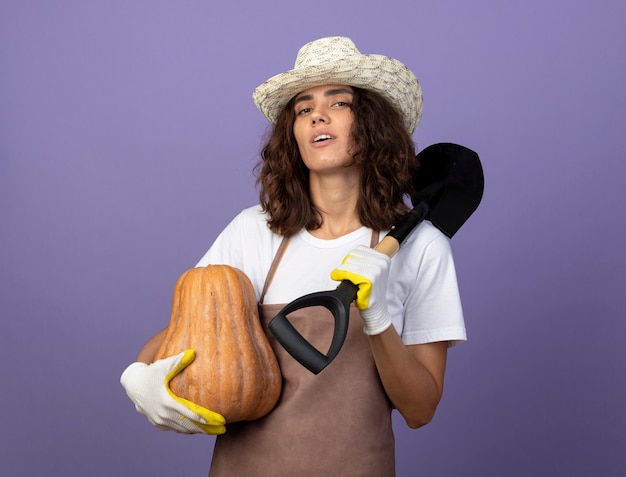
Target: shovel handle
(388, 245)
(391, 243)
(338, 303)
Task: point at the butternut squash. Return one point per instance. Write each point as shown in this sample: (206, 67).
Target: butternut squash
(235, 372)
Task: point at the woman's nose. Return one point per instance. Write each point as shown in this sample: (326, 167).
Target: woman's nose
(319, 116)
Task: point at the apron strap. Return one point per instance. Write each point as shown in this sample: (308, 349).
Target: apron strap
(274, 266)
(374, 239)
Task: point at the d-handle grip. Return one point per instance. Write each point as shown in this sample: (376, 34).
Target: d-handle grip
(338, 303)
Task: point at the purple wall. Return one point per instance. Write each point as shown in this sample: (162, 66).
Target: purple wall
(127, 138)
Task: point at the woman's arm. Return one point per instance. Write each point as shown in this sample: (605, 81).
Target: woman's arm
(148, 352)
(412, 375)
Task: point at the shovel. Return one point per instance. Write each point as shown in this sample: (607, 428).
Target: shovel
(449, 188)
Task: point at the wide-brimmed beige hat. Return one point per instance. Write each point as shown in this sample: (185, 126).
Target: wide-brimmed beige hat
(336, 60)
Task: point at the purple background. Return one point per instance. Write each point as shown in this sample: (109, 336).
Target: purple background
(127, 139)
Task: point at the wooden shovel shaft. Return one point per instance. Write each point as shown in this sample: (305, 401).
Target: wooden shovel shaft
(388, 245)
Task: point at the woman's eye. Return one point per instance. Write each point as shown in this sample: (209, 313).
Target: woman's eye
(304, 111)
(342, 104)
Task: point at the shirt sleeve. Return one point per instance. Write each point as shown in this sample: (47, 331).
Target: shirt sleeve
(432, 308)
(247, 244)
(227, 248)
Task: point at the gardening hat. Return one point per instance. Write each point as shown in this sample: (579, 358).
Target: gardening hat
(336, 60)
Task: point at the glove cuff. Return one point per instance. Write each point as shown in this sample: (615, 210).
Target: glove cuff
(375, 321)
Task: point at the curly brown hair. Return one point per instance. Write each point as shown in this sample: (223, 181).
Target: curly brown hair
(385, 152)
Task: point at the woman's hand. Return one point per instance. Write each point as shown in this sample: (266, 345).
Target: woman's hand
(369, 270)
(147, 385)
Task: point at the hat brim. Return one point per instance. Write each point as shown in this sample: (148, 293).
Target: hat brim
(384, 75)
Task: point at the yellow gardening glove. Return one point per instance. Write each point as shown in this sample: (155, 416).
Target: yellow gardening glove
(148, 386)
(369, 270)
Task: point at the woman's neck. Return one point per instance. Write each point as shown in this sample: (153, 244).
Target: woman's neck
(336, 198)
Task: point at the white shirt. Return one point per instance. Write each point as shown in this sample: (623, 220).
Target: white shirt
(422, 293)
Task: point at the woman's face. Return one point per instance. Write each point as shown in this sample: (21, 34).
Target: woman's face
(322, 126)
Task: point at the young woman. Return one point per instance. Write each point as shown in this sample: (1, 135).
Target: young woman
(333, 178)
